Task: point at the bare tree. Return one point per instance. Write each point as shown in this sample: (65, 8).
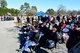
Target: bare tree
(61, 10)
(69, 12)
(72, 13)
(78, 12)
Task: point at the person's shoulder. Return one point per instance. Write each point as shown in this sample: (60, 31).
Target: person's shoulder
(76, 48)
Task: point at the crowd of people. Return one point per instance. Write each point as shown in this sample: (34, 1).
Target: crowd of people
(47, 31)
(6, 18)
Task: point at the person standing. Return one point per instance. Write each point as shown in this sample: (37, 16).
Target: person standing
(58, 18)
(28, 20)
(32, 21)
(18, 21)
(1, 18)
(23, 21)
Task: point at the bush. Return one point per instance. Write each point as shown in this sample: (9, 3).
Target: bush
(4, 11)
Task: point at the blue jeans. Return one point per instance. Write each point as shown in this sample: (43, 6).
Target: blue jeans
(27, 44)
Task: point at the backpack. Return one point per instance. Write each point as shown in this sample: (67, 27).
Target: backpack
(50, 44)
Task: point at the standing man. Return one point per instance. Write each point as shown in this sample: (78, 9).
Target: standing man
(32, 21)
(28, 20)
(58, 18)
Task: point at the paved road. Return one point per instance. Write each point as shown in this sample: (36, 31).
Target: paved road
(9, 42)
(8, 37)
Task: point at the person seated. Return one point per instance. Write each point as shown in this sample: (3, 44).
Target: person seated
(27, 44)
(54, 36)
(63, 24)
(31, 40)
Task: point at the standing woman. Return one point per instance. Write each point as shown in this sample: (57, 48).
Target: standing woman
(18, 21)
